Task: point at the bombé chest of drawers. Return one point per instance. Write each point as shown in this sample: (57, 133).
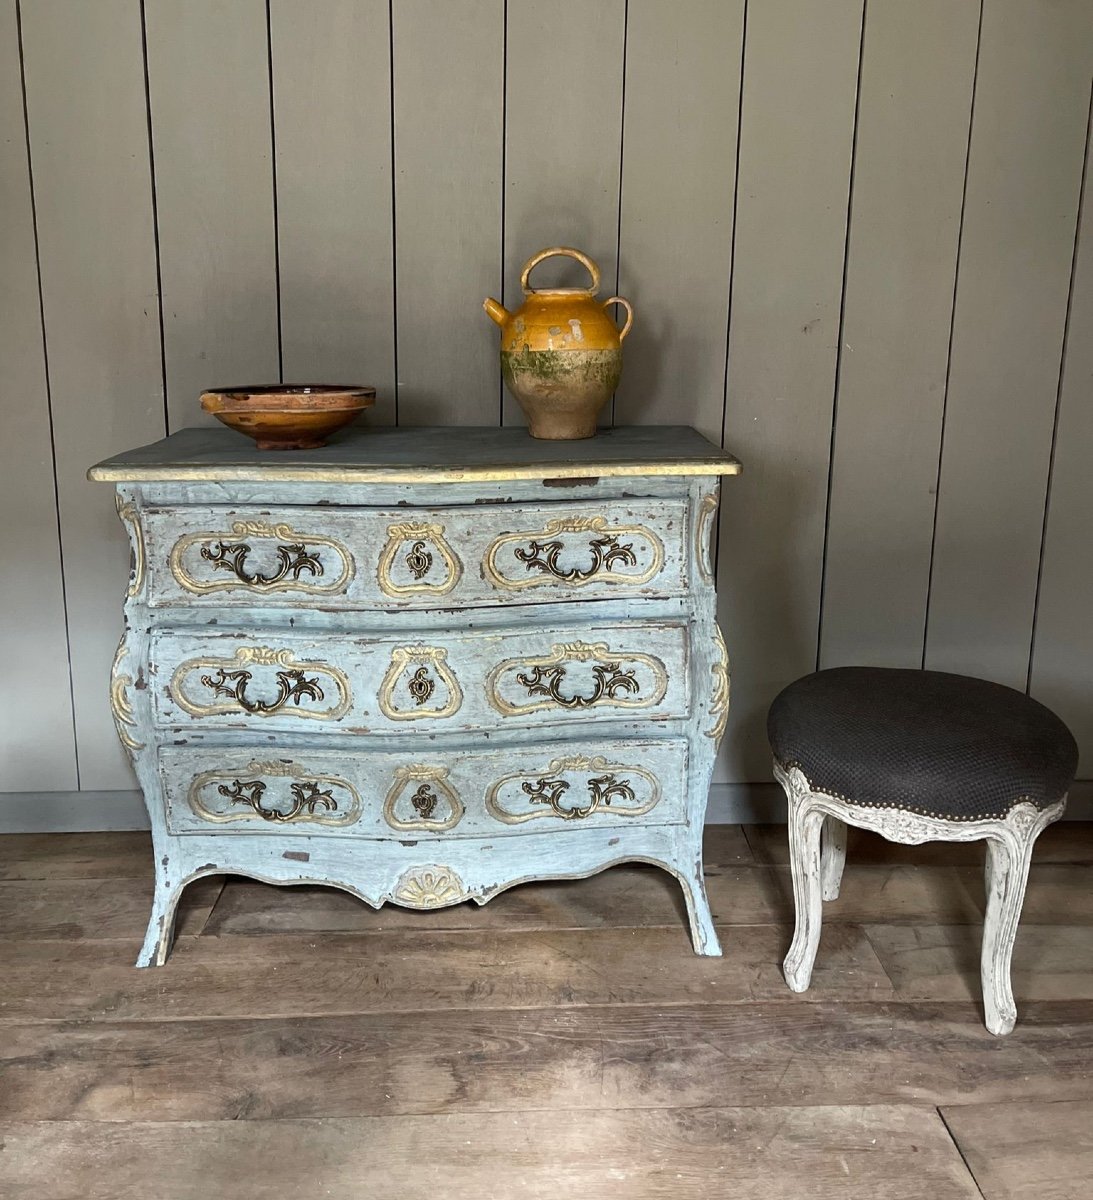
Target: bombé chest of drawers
(421, 665)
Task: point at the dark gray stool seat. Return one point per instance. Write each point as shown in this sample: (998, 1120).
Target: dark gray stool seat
(917, 756)
(927, 742)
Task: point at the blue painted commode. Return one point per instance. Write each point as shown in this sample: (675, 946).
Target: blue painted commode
(421, 665)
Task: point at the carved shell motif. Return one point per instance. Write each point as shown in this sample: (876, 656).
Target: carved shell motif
(429, 887)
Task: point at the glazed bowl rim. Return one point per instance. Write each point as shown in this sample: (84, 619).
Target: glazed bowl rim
(291, 398)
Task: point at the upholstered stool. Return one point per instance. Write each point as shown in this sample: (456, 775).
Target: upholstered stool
(917, 756)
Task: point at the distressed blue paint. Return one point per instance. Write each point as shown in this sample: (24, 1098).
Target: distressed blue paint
(532, 715)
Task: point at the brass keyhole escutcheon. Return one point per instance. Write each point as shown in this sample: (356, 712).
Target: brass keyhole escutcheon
(419, 560)
(424, 801)
(421, 686)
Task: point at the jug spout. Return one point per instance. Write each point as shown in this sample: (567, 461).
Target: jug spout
(495, 310)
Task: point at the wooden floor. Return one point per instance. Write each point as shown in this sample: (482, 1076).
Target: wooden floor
(562, 1041)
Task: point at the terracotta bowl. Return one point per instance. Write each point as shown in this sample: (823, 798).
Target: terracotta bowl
(282, 417)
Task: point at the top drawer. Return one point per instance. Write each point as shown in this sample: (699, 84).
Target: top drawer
(415, 557)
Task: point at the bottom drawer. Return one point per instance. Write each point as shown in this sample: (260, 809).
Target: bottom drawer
(528, 788)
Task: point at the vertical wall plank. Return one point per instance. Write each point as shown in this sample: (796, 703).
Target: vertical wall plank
(1062, 664)
(918, 66)
(449, 99)
(332, 115)
(797, 122)
(1024, 171)
(89, 149)
(675, 244)
(563, 136)
(209, 85)
(37, 740)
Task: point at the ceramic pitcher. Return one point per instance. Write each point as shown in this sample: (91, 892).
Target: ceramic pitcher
(561, 352)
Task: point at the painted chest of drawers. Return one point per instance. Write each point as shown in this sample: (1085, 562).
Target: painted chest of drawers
(421, 665)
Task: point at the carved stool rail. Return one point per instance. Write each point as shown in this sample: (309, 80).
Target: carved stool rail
(421, 665)
(917, 756)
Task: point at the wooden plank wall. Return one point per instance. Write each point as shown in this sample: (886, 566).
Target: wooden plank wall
(853, 233)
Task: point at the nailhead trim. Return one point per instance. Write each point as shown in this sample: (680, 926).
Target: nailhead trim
(988, 816)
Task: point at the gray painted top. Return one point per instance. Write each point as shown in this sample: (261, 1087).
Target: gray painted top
(408, 455)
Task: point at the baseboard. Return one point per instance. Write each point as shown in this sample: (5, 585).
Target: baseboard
(71, 812)
(85, 812)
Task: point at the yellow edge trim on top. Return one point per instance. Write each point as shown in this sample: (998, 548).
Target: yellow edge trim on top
(267, 472)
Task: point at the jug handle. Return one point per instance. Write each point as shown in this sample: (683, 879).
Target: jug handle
(629, 313)
(563, 252)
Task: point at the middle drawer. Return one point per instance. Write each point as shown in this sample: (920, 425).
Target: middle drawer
(439, 682)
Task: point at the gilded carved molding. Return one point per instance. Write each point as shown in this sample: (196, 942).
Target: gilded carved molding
(538, 552)
(425, 788)
(231, 685)
(614, 681)
(703, 548)
(609, 787)
(120, 706)
(312, 799)
(429, 887)
(422, 563)
(719, 699)
(411, 680)
(127, 511)
(297, 567)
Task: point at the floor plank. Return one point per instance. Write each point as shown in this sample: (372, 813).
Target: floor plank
(75, 856)
(70, 909)
(724, 845)
(941, 962)
(1057, 894)
(1025, 1151)
(391, 972)
(939, 895)
(626, 897)
(1063, 842)
(751, 1154)
(779, 1053)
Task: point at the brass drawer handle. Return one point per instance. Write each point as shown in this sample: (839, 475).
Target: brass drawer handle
(620, 789)
(612, 676)
(325, 800)
(292, 559)
(298, 690)
(306, 798)
(605, 551)
(601, 791)
(540, 551)
(291, 685)
(610, 682)
(298, 566)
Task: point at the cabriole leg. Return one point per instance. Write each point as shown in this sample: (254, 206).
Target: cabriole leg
(805, 823)
(700, 918)
(832, 857)
(1008, 861)
(161, 924)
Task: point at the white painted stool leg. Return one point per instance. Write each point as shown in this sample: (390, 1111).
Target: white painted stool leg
(1008, 861)
(832, 857)
(703, 935)
(805, 823)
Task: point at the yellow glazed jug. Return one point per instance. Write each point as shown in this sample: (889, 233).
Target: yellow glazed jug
(561, 353)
